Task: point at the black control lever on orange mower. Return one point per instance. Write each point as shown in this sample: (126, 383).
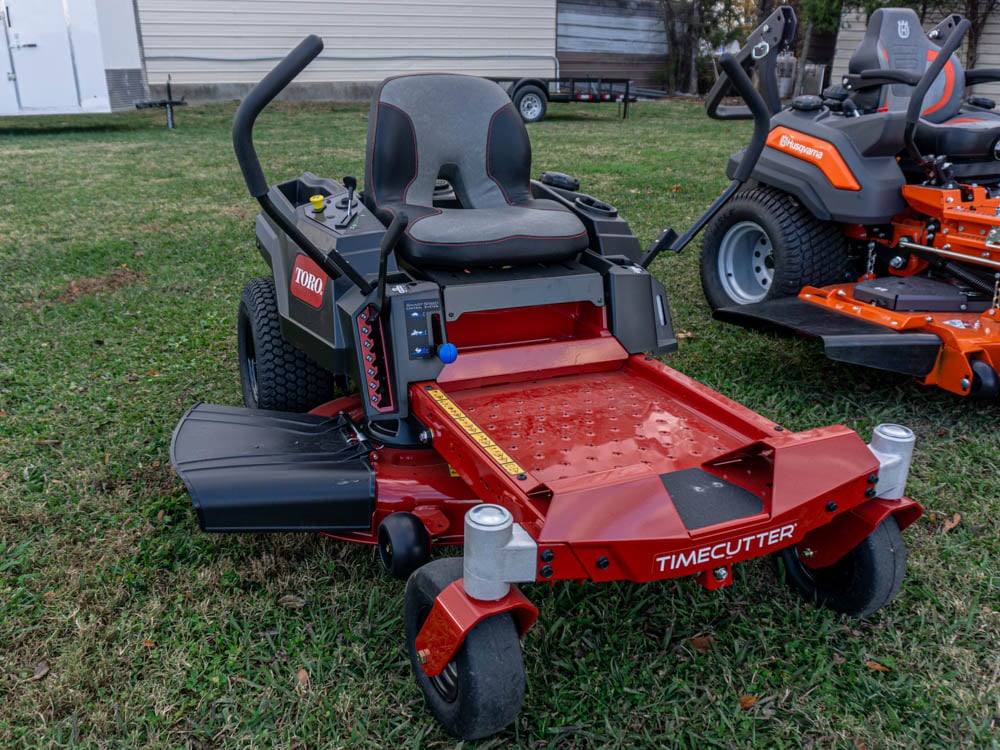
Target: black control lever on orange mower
(333, 263)
(760, 53)
(668, 239)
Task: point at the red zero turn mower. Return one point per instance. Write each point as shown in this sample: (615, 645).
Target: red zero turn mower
(501, 333)
(872, 218)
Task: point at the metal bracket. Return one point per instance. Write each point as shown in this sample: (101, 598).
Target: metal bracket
(498, 552)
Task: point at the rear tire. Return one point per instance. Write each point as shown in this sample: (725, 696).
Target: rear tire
(273, 373)
(763, 245)
(481, 690)
(860, 583)
(531, 103)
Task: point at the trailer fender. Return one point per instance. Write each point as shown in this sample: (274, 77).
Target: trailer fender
(522, 82)
(831, 542)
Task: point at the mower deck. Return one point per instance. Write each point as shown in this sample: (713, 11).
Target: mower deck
(936, 346)
(845, 338)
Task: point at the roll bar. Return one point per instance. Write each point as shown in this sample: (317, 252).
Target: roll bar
(916, 105)
(333, 263)
(760, 52)
(758, 109)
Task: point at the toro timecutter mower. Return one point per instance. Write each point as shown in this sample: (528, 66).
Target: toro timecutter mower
(500, 335)
(878, 205)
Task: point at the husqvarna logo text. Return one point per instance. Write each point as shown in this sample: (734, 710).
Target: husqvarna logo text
(790, 144)
(903, 29)
(308, 281)
(723, 551)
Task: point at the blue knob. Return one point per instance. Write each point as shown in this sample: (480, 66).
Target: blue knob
(447, 353)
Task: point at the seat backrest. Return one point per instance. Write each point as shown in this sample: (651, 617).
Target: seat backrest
(895, 39)
(460, 128)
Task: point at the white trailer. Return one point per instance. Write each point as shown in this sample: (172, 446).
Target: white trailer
(70, 56)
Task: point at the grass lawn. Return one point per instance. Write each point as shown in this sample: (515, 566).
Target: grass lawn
(123, 250)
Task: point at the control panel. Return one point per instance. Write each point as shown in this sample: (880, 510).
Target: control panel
(423, 325)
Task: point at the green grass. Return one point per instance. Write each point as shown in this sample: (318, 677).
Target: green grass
(155, 634)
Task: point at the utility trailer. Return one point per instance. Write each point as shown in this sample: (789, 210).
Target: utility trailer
(532, 95)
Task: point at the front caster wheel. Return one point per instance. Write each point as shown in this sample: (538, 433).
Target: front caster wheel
(985, 381)
(860, 583)
(481, 690)
(403, 544)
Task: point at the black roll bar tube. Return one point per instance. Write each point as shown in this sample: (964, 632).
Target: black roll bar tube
(333, 263)
(916, 105)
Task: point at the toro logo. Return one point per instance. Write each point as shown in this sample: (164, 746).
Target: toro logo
(723, 551)
(308, 281)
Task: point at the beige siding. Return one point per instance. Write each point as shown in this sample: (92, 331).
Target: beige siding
(852, 30)
(236, 41)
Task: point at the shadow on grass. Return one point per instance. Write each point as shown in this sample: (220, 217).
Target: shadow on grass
(64, 128)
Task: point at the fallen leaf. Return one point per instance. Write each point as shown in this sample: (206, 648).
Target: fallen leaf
(747, 701)
(41, 669)
(860, 745)
(684, 335)
(675, 188)
(153, 373)
(702, 643)
(50, 442)
(951, 523)
(149, 643)
(302, 677)
(875, 666)
(292, 601)
(160, 515)
(837, 658)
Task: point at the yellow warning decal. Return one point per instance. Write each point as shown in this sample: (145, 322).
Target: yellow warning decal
(513, 469)
(468, 425)
(473, 431)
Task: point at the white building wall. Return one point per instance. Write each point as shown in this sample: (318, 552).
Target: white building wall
(210, 42)
(852, 31)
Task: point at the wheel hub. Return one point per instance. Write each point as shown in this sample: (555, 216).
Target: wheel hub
(531, 106)
(746, 263)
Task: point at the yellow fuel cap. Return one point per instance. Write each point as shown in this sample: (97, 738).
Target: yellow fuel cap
(318, 203)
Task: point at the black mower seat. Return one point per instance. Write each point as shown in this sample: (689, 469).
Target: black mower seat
(896, 40)
(465, 130)
(968, 135)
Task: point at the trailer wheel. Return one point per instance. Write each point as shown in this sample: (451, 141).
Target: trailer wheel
(985, 382)
(764, 244)
(860, 583)
(403, 544)
(481, 690)
(273, 373)
(531, 103)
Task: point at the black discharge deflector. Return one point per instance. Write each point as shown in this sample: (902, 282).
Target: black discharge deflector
(703, 499)
(257, 470)
(845, 339)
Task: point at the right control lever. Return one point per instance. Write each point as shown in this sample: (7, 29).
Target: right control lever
(389, 241)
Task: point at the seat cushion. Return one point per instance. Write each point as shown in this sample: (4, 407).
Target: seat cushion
(529, 232)
(967, 136)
